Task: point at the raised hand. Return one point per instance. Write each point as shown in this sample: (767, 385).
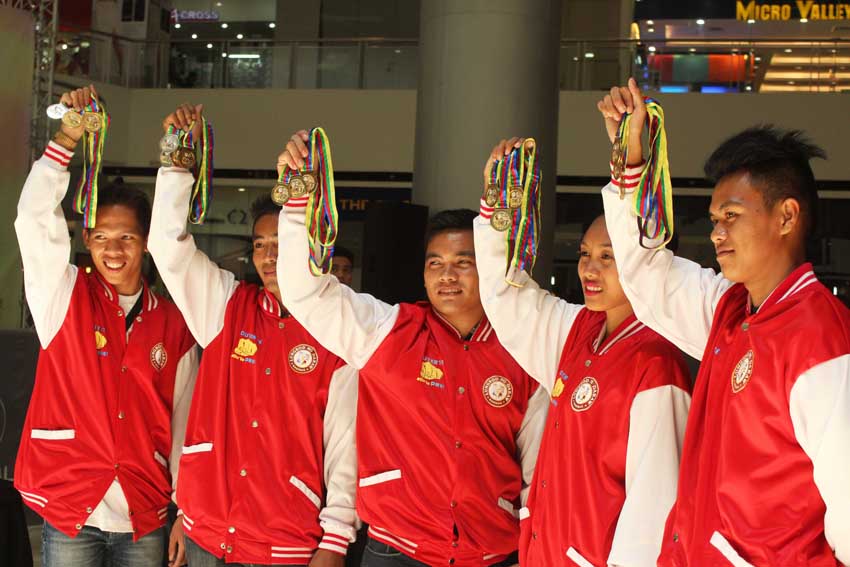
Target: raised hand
(614, 105)
(295, 153)
(76, 100)
(186, 116)
(499, 151)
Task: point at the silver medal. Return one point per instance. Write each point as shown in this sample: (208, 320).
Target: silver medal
(169, 143)
(165, 159)
(57, 111)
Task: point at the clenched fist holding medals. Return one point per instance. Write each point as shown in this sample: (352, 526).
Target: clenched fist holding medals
(188, 135)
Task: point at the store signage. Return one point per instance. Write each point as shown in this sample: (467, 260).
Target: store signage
(194, 16)
(798, 9)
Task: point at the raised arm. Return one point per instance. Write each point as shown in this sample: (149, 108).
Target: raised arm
(674, 296)
(42, 231)
(197, 285)
(531, 323)
(350, 324)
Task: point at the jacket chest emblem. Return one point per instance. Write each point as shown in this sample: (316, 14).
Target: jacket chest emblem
(742, 373)
(159, 357)
(99, 340)
(246, 348)
(585, 394)
(303, 359)
(430, 373)
(498, 391)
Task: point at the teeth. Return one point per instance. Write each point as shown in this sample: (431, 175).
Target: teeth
(113, 265)
(593, 288)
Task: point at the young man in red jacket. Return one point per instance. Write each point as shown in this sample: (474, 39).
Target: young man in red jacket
(448, 424)
(766, 460)
(269, 461)
(103, 433)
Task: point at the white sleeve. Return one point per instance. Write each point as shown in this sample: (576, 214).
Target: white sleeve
(351, 325)
(184, 386)
(529, 436)
(820, 412)
(672, 295)
(44, 241)
(531, 323)
(338, 518)
(656, 428)
(199, 288)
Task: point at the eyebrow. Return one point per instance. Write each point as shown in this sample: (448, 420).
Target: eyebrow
(604, 245)
(258, 237)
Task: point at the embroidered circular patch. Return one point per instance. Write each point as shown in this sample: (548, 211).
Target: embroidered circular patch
(159, 358)
(303, 359)
(585, 394)
(498, 391)
(742, 373)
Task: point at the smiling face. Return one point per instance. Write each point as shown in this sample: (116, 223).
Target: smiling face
(748, 235)
(598, 270)
(451, 278)
(117, 246)
(265, 252)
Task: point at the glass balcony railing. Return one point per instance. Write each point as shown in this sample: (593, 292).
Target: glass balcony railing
(682, 65)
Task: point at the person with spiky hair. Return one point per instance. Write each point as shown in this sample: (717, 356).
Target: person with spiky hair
(766, 457)
(267, 473)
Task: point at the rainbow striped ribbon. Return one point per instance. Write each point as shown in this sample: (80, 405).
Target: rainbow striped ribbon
(322, 218)
(85, 199)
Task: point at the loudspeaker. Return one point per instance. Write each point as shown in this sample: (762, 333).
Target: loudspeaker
(394, 251)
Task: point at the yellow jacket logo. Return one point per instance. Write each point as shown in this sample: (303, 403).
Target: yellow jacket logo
(429, 373)
(99, 340)
(246, 348)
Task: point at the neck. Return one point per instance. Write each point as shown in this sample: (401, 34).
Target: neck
(464, 322)
(129, 288)
(615, 317)
(776, 272)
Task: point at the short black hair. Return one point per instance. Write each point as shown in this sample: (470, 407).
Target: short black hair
(116, 193)
(263, 206)
(343, 252)
(777, 161)
(451, 219)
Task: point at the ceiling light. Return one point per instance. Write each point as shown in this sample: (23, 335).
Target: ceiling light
(272, 25)
(177, 26)
(652, 49)
(239, 36)
(224, 26)
(758, 58)
(241, 189)
(692, 49)
(194, 36)
(651, 30)
(749, 88)
(650, 23)
(751, 21)
(804, 20)
(209, 46)
(223, 54)
(788, 50)
(700, 22)
(64, 46)
(589, 55)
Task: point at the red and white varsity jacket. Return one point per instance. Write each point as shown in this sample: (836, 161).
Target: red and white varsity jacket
(448, 427)
(766, 461)
(268, 467)
(609, 461)
(109, 407)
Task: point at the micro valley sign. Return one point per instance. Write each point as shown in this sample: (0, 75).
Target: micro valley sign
(799, 9)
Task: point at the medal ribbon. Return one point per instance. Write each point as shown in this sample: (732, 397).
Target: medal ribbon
(322, 217)
(520, 169)
(85, 200)
(654, 194)
(202, 190)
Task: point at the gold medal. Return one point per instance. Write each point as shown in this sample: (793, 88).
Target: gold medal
(72, 119)
(310, 181)
(297, 187)
(183, 157)
(280, 194)
(92, 121)
(491, 195)
(515, 197)
(501, 219)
